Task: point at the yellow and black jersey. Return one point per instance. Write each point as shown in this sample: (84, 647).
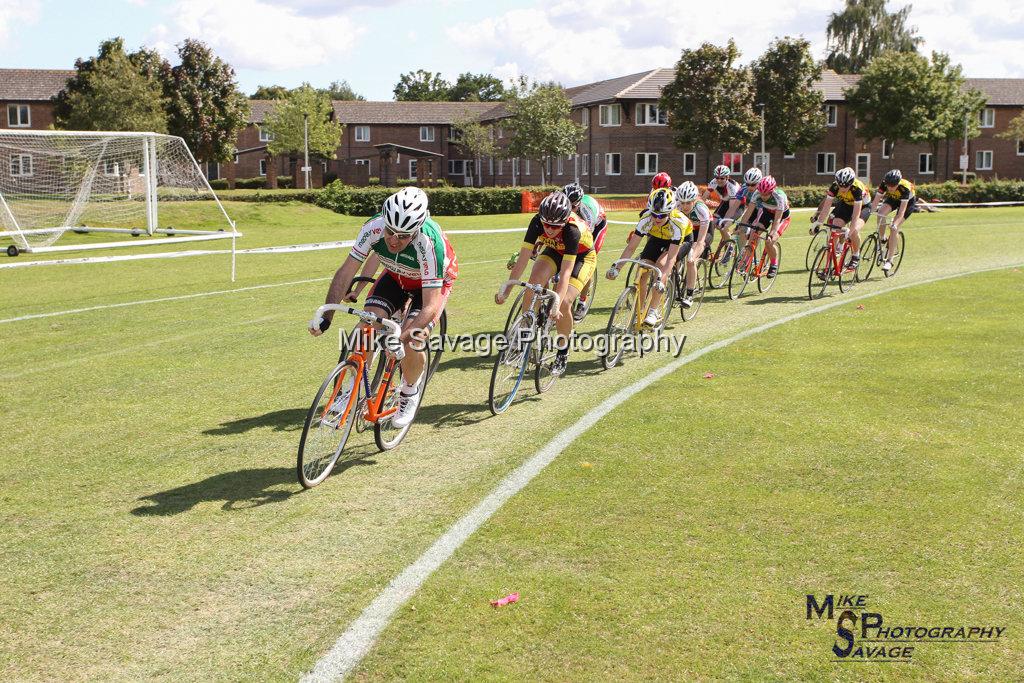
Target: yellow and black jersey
(857, 192)
(574, 239)
(674, 229)
(903, 190)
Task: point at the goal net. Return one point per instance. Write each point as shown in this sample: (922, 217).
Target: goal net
(135, 183)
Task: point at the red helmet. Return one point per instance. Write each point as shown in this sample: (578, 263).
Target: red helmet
(661, 180)
(767, 185)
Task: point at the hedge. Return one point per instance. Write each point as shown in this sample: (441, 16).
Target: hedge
(950, 191)
(284, 182)
(444, 201)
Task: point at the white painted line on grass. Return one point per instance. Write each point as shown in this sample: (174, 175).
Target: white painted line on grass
(362, 633)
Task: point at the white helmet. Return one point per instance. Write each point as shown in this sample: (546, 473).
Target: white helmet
(845, 176)
(753, 176)
(687, 192)
(406, 210)
(722, 171)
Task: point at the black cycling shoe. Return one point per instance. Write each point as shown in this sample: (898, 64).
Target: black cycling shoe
(854, 262)
(558, 367)
(773, 270)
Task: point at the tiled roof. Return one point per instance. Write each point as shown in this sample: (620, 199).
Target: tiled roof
(999, 90)
(606, 90)
(425, 113)
(258, 109)
(649, 87)
(32, 84)
(832, 85)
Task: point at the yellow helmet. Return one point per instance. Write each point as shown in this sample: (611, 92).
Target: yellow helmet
(661, 201)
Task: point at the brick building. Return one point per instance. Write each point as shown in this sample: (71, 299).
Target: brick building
(26, 96)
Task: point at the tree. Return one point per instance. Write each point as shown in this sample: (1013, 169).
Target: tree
(783, 78)
(539, 123)
(111, 92)
(286, 124)
(422, 86)
(864, 30)
(477, 139)
(1014, 130)
(270, 92)
(205, 106)
(341, 90)
(725, 119)
(477, 88)
(905, 97)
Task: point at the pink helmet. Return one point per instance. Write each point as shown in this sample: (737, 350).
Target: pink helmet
(767, 185)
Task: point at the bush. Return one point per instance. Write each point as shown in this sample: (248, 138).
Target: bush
(373, 180)
(250, 183)
(285, 182)
(444, 201)
(219, 184)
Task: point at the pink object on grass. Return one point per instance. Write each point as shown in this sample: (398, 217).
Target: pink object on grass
(507, 600)
(709, 375)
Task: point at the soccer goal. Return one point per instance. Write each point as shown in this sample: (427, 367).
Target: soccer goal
(94, 182)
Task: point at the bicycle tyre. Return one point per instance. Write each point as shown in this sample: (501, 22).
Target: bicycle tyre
(869, 255)
(740, 274)
(818, 241)
(897, 257)
(847, 278)
(624, 307)
(719, 271)
(499, 403)
(699, 290)
(310, 471)
(440, 332)
(822, 265)
(764, 283)
(517, 308)
(385, 433)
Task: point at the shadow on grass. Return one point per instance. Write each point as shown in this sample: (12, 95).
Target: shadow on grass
(775, 300)
(287, 420)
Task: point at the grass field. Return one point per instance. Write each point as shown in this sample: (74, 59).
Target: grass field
(153, 527)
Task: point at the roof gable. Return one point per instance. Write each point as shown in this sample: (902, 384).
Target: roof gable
(32, 84)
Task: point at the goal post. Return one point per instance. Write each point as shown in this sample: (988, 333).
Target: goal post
(104, 182)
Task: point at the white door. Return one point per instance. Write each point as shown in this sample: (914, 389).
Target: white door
(863, 166)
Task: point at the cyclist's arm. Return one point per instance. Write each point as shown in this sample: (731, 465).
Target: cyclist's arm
(525, 252)
(822, 214)
(734, 208)
(876, 200)
(340, 283)
(369, 269)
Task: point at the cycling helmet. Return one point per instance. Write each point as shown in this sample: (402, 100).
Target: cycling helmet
(661, 180)
(766, 186)
(893, 177)
(555, 209)
(574, 191)
(406, 210)
(661, 201)
(845, 176)
(687, 192)
(753, 176)
(722, 171)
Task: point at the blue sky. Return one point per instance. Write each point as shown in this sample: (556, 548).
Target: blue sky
(371, 44)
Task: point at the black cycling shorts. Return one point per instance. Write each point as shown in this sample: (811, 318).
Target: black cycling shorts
(894, 204)
(390, 296)
(654, 248)
(842, 211)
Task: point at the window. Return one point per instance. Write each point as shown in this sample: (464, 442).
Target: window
(983, 160)
(886, 149)
(734, 160)
(650, 115)
(18, 116)
(585, 117)
(265, 135)
(925, 165)
(689, 163)
(987, 118)
(831, 115)
(1020, 148)
(21, 165)
(515, 169)
(111, 168)
(501, 132)
(362, 133)
(426, 133)
(456, 167)
(612, 163)
(559, 165)
(490, 166)
(526, 167)
(597, 164)
(412, 169)
(863, 166)
(646, 163)
(826, 163)
(611, 114)
(454, 135)
(363, 162)
(501, 167)
(585, 165)
(763, 161)
(789, 155)
(263, 167)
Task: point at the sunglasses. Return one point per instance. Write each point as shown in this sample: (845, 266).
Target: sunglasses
(659, 215)
(396, 235)
(553, 226)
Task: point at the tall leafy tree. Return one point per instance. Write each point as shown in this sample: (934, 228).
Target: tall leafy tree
(539, 123)
(864, 30)
(906, 97)
(205, 106)
(477, 139)
(285, 124)
(471, 87)
(725, 119)
(113, 91)
(341, 90)
(422, 86)
(269, 92)
(783, 78)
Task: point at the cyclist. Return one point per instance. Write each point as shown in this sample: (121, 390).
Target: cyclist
(850, 210)
(587, 208)
(734, 198)
(772, 206)
(665, 228)
(419, 264)
(896, 194)
(568, 250)
(699, 214)
(661, 180)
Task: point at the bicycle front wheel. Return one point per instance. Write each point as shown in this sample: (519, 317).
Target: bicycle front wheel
(722, 263)
(869, 255)
(508, 371)
(897, 256)
(620, 325)
(438, 335)
(740, 274)
(699, 289)
(328, 424)
(821, 272)
(848, 278)
(817, 242)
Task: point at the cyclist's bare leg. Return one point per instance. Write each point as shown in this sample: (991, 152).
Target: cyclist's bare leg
(543, 271)
(564, 322)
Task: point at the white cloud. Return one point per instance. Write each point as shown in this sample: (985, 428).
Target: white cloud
(984, 37)
(13, 12)
(252, 34)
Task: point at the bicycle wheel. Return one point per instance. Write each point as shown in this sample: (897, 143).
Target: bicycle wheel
(517, 308)
(665, 304)
(580, 312)
(722, 265)
(328, 425)
(897, 256)
(847, 277)
(508, 371)
(741, 272)
(438, 335)
(699, 289)
(817, 242)
(821, 273)
(385, 433)
(620, 325)
(869, 256)
(764, 283)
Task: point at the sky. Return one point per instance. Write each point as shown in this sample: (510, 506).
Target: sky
(370, 44)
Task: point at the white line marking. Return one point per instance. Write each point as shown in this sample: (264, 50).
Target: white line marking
(361, 635)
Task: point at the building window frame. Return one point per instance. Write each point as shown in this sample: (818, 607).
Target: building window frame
(427, 134)
(263, 168)
(689, 163)
(111, 168)
(789, 155)
(362, 134)
(866, 158)
(1020, 147)
(607, 119)
(831, 115)
(887, 148)
(642, 163)
(14, 118)
(585, 164)
(983, 159)
(763, 161)
(987, 118)
(648, 114)
(734, 160)
(265, 135)
(612, 163)
(457, 167)
(585, 117)
(413, 169)
(21, 166)
(925, 163)
(825, 163)
(560, 164)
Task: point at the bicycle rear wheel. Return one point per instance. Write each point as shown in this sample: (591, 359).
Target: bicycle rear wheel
(869, 256)
(847, 277)
(385, 433)
(721, 266)
(739, 277)
(764, 283)
(620, 324)
(817, 242)
(700, 287)
(328, 425)
(579, 313)
(897, 256)
(821, 273)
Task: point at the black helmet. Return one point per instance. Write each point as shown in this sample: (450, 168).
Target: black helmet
(574, 192)
(893, 177)
(555, 209)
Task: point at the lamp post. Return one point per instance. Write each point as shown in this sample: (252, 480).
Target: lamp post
(764, 166)
(306, 168)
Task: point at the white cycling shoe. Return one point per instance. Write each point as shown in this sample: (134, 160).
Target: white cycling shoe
(407, 406)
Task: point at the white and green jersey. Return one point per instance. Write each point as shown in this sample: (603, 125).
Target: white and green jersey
(590, 211)
(428, 261)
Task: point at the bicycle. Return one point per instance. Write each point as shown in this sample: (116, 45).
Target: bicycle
(830, 263)
(875, 249)
(627, 318)
(520, 349)
(749, 267)
(817, 242)
(723, 260)
(700, 286)
(333, 412)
